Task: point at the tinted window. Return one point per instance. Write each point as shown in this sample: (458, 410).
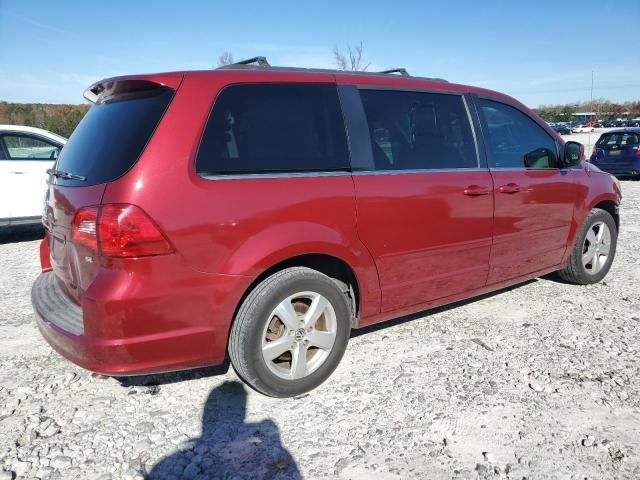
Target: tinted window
(27, 147)
(274, 128)
(111, 136)
(618, 140)
(515, 140)
(413, 130)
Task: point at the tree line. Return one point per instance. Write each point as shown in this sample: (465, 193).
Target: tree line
(58, 118)
(602, 109)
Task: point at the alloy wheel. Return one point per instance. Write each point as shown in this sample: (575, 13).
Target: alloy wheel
(596, 247)
(299, 335)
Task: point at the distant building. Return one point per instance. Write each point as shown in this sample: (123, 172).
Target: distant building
(584, 116)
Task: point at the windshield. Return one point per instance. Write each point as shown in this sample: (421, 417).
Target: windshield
(112, 135)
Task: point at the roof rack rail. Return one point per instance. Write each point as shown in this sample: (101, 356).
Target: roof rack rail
(402, 71)
(260, 61)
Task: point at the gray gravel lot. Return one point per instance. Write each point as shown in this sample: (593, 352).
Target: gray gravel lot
(541, 380)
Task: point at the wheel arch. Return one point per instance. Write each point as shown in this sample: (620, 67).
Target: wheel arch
(610, 207)
(331, 265)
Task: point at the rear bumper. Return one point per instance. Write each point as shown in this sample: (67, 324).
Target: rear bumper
(621, 168)
(119, 330)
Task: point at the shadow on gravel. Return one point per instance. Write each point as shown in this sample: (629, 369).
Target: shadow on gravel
(229, 447)
(173, 377)
(444, 308)
(21, 233)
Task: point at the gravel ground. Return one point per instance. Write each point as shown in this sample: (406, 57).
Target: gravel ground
(537, 381)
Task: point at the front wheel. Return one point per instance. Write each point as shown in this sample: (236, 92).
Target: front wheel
(290, 332)
(594, 250)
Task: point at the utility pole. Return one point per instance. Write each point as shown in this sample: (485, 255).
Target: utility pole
(592, 92)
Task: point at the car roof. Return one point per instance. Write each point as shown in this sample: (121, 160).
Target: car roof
(624, 130)
(343, 77)
(37, 131)
(248, 73)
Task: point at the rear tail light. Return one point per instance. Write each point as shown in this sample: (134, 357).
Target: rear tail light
(594, 154)
(119, 230)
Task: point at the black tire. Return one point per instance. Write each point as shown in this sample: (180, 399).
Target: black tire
(245, 339)
(575, 271)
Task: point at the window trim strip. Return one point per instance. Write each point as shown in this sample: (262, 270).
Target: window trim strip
(257, 176)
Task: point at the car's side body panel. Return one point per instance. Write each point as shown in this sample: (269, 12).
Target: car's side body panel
(531, 226)
(428, 238)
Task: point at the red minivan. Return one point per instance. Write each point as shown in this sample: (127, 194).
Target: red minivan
(262, 213)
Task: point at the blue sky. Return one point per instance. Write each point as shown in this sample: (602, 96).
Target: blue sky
(538, 51)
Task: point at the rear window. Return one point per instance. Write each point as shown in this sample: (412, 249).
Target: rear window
(270, 128)
(618, 140)
(111, 136)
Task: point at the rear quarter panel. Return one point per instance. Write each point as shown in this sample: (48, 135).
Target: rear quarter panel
(241, 226)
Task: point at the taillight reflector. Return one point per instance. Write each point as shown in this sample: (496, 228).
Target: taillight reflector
(85, 228)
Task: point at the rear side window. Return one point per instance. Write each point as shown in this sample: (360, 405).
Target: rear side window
(618, 140)
(270, 128)
(515, 140)
(414, 130)
(111, 136)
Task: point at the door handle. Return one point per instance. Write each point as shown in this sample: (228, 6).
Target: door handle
(510, 188)
(18, 173)
(476, 190)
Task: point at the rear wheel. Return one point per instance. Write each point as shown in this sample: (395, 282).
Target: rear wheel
(290, 332)
(594, 250)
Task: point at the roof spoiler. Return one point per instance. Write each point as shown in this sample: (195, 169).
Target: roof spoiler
(131, 84)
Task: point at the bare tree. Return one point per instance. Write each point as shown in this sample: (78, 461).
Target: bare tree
(226, 58)
(352, 60)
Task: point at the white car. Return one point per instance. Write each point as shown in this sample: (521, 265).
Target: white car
(25, 155)
(583, 129)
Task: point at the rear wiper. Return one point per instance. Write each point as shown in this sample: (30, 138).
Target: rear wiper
(67, 175)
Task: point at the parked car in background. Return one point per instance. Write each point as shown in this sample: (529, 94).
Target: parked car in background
(618, 152)
(263, 213)
(583, 129)
(562, 129)
(25, 155)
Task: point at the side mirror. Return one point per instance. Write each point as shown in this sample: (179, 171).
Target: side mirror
(573, 154)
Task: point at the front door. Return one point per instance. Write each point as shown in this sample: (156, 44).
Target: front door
(424, 204)
(29, 159)
(534, 198)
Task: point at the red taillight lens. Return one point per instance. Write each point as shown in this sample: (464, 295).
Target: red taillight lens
(119, 231)
(126, 231)
(85, 228)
